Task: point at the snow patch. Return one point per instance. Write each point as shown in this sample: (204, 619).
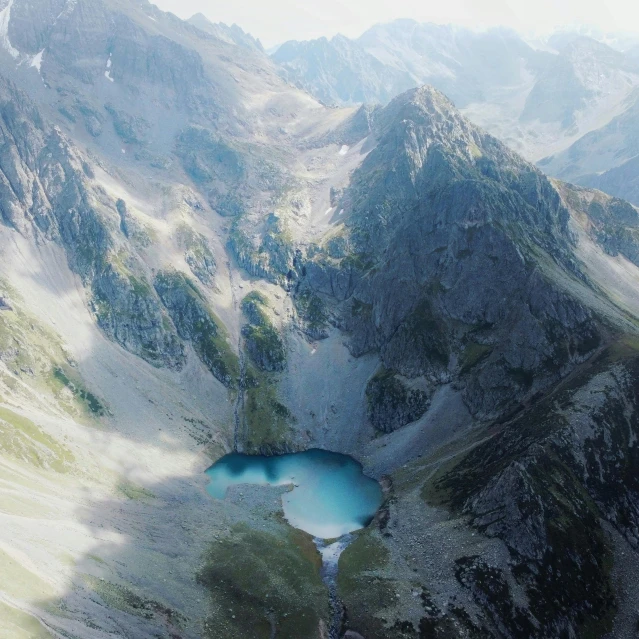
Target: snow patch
(109, 64)
(36, 61)
(5, 17)
(343, 150)
(328, 211)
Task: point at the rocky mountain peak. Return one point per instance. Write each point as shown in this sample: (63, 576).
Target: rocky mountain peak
(429, 110)
(430, 147)
(233, 34)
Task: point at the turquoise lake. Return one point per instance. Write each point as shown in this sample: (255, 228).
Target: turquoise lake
(331, 496)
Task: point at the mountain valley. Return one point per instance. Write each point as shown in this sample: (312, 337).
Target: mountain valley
(208, 250)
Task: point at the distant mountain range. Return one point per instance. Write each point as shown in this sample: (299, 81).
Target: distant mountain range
(393, 57)
(552, 99)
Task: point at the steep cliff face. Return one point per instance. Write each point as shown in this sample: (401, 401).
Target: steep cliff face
(48, 192)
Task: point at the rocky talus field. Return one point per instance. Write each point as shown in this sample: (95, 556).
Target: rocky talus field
(198, 256)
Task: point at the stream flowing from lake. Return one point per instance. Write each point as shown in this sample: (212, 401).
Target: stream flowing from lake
(330, 498)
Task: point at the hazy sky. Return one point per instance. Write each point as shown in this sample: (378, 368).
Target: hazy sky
(275, 21)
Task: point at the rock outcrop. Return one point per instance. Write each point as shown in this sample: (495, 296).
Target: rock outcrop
(196, 322)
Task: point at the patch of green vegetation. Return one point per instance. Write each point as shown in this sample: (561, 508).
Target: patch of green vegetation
(306, 546)
(10, 382)
(197, 253)
(215, 351)
(434, 491)
(358, 262)
(265, 347)
(35, 354)
(194, 242)
(143, 235)
(268, 421)
(475, 151)
(21, 583)
(364, 587)
(264, 584)
(313, 311)
(253, 306)
(238, 239)
(21, 439)
(132, 491)
(18, 624)
(273, 258)
(123, 598)
(277, 245)
(473, 354)
(61, 375)
(140, 286)
(366, 553)
(627, 346)
(361, 309)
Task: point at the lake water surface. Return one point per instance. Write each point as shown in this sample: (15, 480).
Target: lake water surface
(331, 494)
